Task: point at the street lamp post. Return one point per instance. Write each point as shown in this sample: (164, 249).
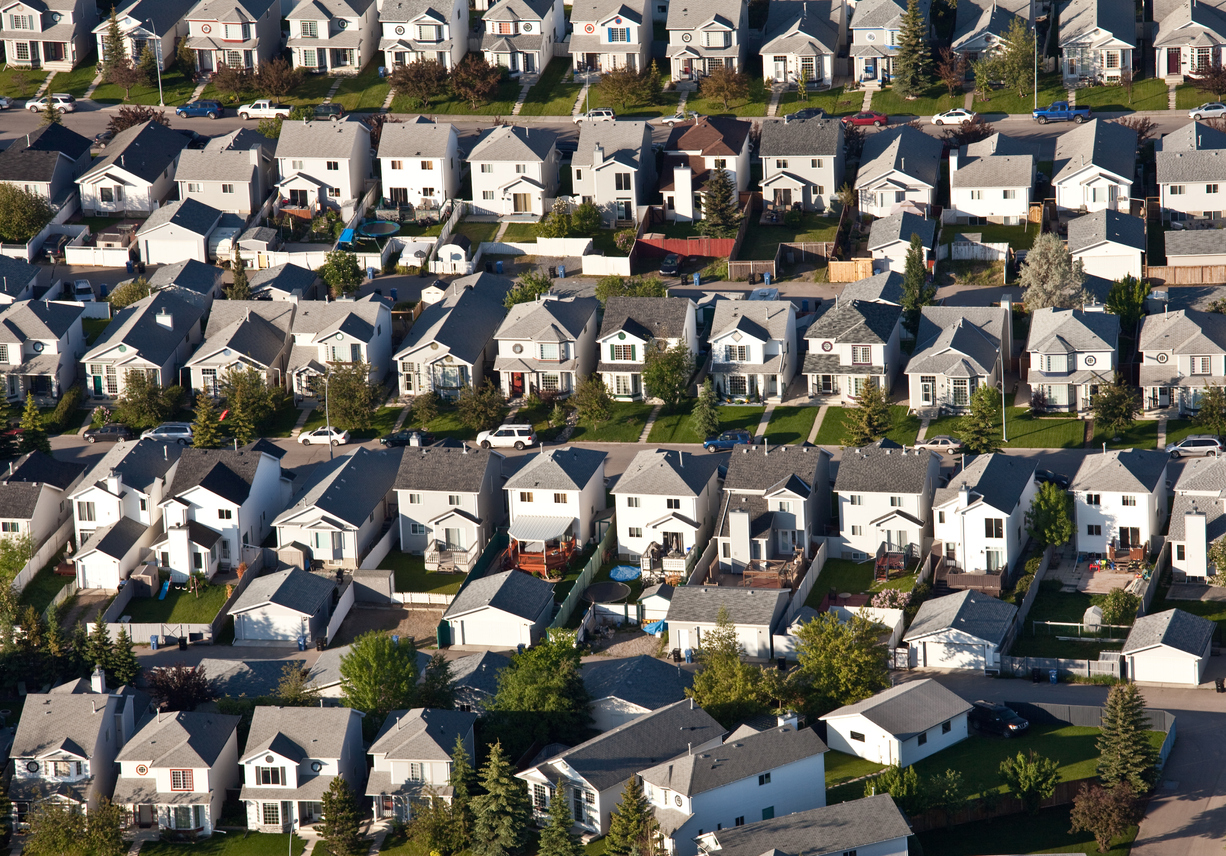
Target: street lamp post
(157, 51)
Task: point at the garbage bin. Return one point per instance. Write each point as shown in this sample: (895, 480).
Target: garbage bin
(130, 267)
(561, 271)
(321, 643)
(782, 663)
(153, 642)
(498, 266)
(1036, 675)
(182, 643)
(395, 296)
(396, 640)
(489, 267)
(370, 273)
(1053, 676)
(676, 654)
(301, 643)
(1220, 684)
(689, 655)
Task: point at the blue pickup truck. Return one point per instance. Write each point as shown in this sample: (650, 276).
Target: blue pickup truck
(1060, 111)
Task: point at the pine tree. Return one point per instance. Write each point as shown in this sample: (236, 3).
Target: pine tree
(632, 825)
(556, 837)
(33, 434)
(706, 417)
(78, 644)
(339, 835)
(114, 53)
(8, 446)
(55, 644)
(463, 777)
(51, 114)
(206, 430)
(912, 62)
(979, 429)
(123, 667)
(98, 651)
(917, 292)
(500, 815)
(240, 289)
(1125, 753)
(870, 418)
(437, 688)
(720, 217)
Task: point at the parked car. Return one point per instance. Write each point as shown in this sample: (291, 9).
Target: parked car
(54, 246)
(807, 113)
(1061, 111)
(211, 109)
(1196, 444)
(408, 438)
(942, 443)
(996, 718)
(171, 432)
(264, 108)
(83, 290)
(517, 436)
(1211, 110)
(332, 112)
(5, 102)
(867, 117)
(103, 139)
(64, 102)
(113, 433)
(1048, 477)
(602, 114)
(957, 116)
(195, 140)
(680, 116)
(324, 436)
(725, 441)
(671, 266)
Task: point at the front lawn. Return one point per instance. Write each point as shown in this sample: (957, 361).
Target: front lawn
(501, 104)
(1018, 237)
(519, 233)
(1178, 430)
(247, 844)
(665, 106)
(364, 92)
(1142, 434)
(1188, 96)
(179, 607)
(841, 768)
(554, 93)
(761, 242)
(834, 101)
(935, 99)
(1146, 95)
(381, 423)
(446, 425)
(77, 81)
(477, 232)
(791, 424)
(1047, 832)
(411, 575)
(1026, 432)
(754, 104)
(9, 78)
(677, 426)
(835, 424)
(1051, 88)
(281, 423)
(398, 844)
(625, 425)
(176, 89)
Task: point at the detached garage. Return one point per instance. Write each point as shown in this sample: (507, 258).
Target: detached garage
(901, 725)
(1171, 647)
(960, 631)
(1108, 244)
(282, 606)
(178, 231)
(501, 611)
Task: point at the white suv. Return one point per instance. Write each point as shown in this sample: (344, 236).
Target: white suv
(1197, 444)
(64, 102)
(603, 114)
(518, 436)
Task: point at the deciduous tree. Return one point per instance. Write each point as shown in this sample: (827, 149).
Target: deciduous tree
(720, 217)
(1105, 812)
(724, 84)
(1142, 126)
(23, 213)
(871, 418)
(1119, 606)
(979, 429)
(540, 697)
(531, 286)
(1031, 778)
(948, 794)
(1212, 414)
(1050, 518)
(501, 815)
(339, 834)
(840, 663)
(425, 408)
(1212, 80)
(1127, 300)
(725, 686)
(125, 75)
(130, 115)
(912, 61)
(1050, 277)
(622, 86)
(1116, 406)
(144, 403)
(294, 689)
(127, 293)
(481, 409)
(951, 69)
(617, 286)
(905, 786)
(341, 272)
(585, 221)
(59, 831)
(278, 77)
(423, 81)
(666, 373)
(592, 400)
(379, 676)
(375, 122)
(474, 80)
(1014, 61)
(231, 82)
(1125, 752)
(180, 687)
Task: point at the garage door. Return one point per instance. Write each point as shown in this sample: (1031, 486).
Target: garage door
(947, 655)
(164, 252)
(269, 626)
(1110, 267)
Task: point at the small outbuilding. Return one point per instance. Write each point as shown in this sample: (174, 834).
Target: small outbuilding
(902, 725)
(1170, 647)
(627, 689)
(501, 611)
(960, 631)
(282, 606)
(177, 231)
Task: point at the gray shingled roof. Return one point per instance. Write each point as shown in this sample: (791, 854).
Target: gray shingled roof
(1079, 17)
(907, 709)
(807, 138)
(285, 278)
(1064, 330)
(748, 607)
(1103, 144)
(957, 340)
(569, 468)
(440, 467)
(999, 479)
(834, 829)
(71, 722)
(1211, 507)
(320, 139)
(226, 158)
(416, 140)
(16, 275)
(224, 472)
(1089, 230)
(736, 759)
(115, 540)
(900, 227)
(348, 487)
(548, 320)
(1193, 152)
(144, 150)
(760, 468)
(884, 13)
(513, 142)
(1196, 243)
(1123, 470)
(1183, 331)
(1173, 628)
(421, 734)
(465, 320)
(19, 499)
(37, 467)
(180, 739)
(37, 319)
(136, 326)
(995, 171)
(247, 678)
(911, 152)
(802, 27)
(979, 615)
(642, 681)
(855, 321)
(664, 472)
(691, 15)
(878, 469)
(1203, 475)
(516, 592)
(35, 156)
(976, 17)
(628, 140)
(137, 464)
(879, 288)
(190, 274)
(475, 677)
(292, 588)
(298, 732)
(645, 317)
(764, 319)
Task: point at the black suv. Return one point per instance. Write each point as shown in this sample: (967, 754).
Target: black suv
(996, 718)
(335, 112)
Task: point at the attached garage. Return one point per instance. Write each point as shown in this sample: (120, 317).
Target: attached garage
(501, 611)
(960, 631)
(281, 607)
(1171, 647)
(178, 231)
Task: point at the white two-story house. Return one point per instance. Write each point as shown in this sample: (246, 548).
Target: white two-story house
(242, 335)
(1190, 36)
(898, 166)
(323, 164)
(420, 163)
(694, 150)
(1189, 163)
(666, 505)
(1095, 166)
(339, 331)
(957, 349)
(754, 348)
(153, 24)
(233, 174)
(553, 501)
(885, 497)
(523, 35)
(851, 343)
(55, 35)
(1072, 352)
(423, 30)
(1096, 40)
(1182, 352)
(705, 37)
(40, 346)
(1120, 502)
(801, 42)
(234, 33)
(981, 514)
(337, 37)
(135, 174)
(412, 759)
(614, 169)
(1198, 517)
(450, 502)
(875, 27)
(34, 495)
(631, 325)
(802, 163)
(606, 35)
(154, 335)
(991, 181)
(546, 347)
(514, 170)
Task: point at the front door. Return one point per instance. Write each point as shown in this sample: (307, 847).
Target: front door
(144, 816)
(529, 63)
(517, 384)
(338, 545)
(781, 68)
(97, 384)
(204, 59)
(454, 539)
(870, 69)
(521, 203)
(1173, 59)
(927, 391)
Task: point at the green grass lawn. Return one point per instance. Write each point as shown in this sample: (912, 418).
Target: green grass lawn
(834, 101)
(1146, 95)
(40, 591)
(520, 233)
(1026, 432)
(761, 242)
(9, 78)
(413, 230)
(411, 575)
(605, 243)
(835, 422)
(477, 232)
(398, 844)
(176, 89)
(791, 424)
(844, 575)
(554, 93)
(841, 768)
(1051, 88)
(1143, 434)
(93, 328)
(625, 425)
(935, 99)
(1067, 607)
(676, 229)
(754, 104)
(446, 425)
(677, 426)
(1048, 832)
(78, 80)
(665, 106)
(1188, 96)
(537, 416)
(1018, 237)
(364, 92)
(248, 844)
(180, 605)
(1178, 430)
(281, 423)
(500, 105)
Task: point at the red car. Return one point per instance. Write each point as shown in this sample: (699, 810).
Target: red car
(868, 117)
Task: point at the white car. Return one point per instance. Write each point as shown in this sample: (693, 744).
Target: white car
(957, 116)
(1196, 444)
(170, 432)
(682, 116)
(64, 102)
(941, 443)
(603, 114)
(1212, 110)
(83, 291)
(324, 436)
(516, 436)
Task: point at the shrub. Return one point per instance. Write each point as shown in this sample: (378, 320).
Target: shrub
(1023, 586)
(891, 599)
(793, 218)
(63, 413)
(1032, 565)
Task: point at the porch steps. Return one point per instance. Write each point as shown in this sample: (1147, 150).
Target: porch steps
(766, 418)
(651, 420)
(1170, 96)
(817, 423)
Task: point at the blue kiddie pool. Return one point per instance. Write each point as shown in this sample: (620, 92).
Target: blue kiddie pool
(625, 573)
(378, 228)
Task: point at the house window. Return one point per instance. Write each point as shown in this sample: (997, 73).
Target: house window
(1010, 194)
(861, 355)
(332, 166)
(768, 813)
(85, 512)
(270, 775)
(721, 163)
(540, 797)
(417, 529)
(397, 164)
(993, 527)
(940, 517)
(946, 727)
(180, 780)
(1113, 59)
(961, 395)
(525, 496)
(308, 58)
(857, 736)
(976, 194)
(578, 175)
(855, 499)
(224, 514)
(632, 502)
(310, 30)
(355, 352)
(923, 738)
(815, 163)
(272, 813)
(11, 526)
(725, 549)
(736, 353)
(521, 168)
(737, 385)
(1210, 188)
(781, 163)
(559, 498)
(623, 385)
(194, 187)
(622, 181)
(487, 168)
(414, 499)
(1179, 554)
(1200, 365)
(673, 503)
(504, 28)
(740, 821)
(1130, 501)
(453, 499)
(487, 194)
(23, 48)
(61, 768)
(1094, 529)
(1093, 499)
(621, 352)
(895, 502)
(619, 34)
(764, 779)
(427, 164)
(227, 188)
(857, 530)
(636, 531)
(1176, 190)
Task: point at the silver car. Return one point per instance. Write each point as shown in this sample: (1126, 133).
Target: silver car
(1196, 444)
(941, 443)
(170, 432)
(1211, 110)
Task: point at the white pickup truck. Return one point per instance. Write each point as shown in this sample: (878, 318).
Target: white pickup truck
(264, 109)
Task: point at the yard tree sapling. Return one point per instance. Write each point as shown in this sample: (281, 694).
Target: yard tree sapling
(633, 829)
(624, 240)
(180, 687)
(540, 697)
(909, 791)
(185, 59)
(585, 222)
(726, 687)
(724, 84)
(979, 429)
(127, 293)
(948, 794)
(706, 413)
(278, 77)
(425, 408)
(1031, 778)
(481, 409)
(33, 434)
(135, 114)
(1119, 607)
(147, 65)
(622, 86)
(666, 373)
(422, 80)
(353, 397)
(231, 82)
(592, 401)
(1212, 414)
(125, 75)
(557, 223)
(51, 114)
(379, 676)
(1050, 518)
(433, 825)
(502, 814)
(1116, 406)
(616, 286)
(1212, 79)
(436, 689)
(1105, 812)
(951, 69)
(1014, 62)
(556, 838)
(341, 272)
(294, 689)
(871, 418)
(841, 663)
(339, 833)
(123, 667)
(1125, 752)
(531, 286)
(57, 831)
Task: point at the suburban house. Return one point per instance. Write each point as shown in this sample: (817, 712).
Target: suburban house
(889, 239)
(1072, 352)
(154, 335)
(243, 335)
(54, 35)
(801, 42)
(47, 161)
(1188, 166)
(666, 504)
(756, 613)
(176, 231)
(754, 350)
(802, 161)
(554, 500)
(17, 279)
(1096, 40)
(901, 725)
(981, 514)
(1198, 517)
(623, 690)
(284, 282)
(879, 288)
(957, 349)
(1193, 249)
(420, 163)
(337, 37)
(252, 678)
(546, 347)
(450, 501)
(515, 168)
(338, 331)
(852, 343)
(1169, 647)
(775, 503)
(1120, 502)
(291, 756)
(607, 35)
(233, 173)
(873, 826)
(503, 610)
(339, 511)
(323, 164)
(134, 174)
(219, 498)
(875, 28)
(992, 180)
(885, 498)
(1108, 244)
(196, 282)
(152, 24)
(422, 29)
(34, 496)
(633, 324)
(980, 25)
(1190, 36)
(475, 679)
(748, 775)
(1095, 163)
(1182, 352)
(710, 35)
(523, 35)
(174, 772)
(615, 169)
(234, 33)
(286, 606)
(966, 630)
(40, 345)
(898, 167)
(591, 776)
(693, 150)
(412, 759)
(452, 344)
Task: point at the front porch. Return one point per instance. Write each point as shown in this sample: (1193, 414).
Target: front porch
(52, 56)
(37, 377)
(733, 382)
(176, 822)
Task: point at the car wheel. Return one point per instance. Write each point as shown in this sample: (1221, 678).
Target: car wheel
(336, 442)
(1077, 120)
(485, 444)
(244, 116)
(966, 121)
(91, 440)
(1197, 116)
(939, 122)
(212, 115)
(519, 445)
(181, 442)
(1042, 120)
(877, 123)
(1175, 454)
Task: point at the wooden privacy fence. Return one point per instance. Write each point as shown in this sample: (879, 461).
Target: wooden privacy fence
(573, 598)
(1020, 667)
(1186, 274)
(699, 246)
(850, 271)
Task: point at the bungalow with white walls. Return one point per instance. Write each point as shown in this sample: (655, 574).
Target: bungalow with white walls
(801, 42)
(154, 335)
(1095, 166)
(1096, 41)
(503, 610)
(242, 335)
(756, 615)
(991, 181)
(1182, 352)
(327, 332)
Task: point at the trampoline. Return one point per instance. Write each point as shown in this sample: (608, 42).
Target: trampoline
(378, 229)
(625, 573)
(606, 592)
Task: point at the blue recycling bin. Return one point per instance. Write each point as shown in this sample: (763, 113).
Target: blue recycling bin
(689, 655)
(153, 642)
(561, 271)
(767, 278)
(370, 273)
(498, 266)
(1053, 676)
(394, 295)
(301, 643)
(396, 640)
(130, 268)
(696, 279)
(103, 289)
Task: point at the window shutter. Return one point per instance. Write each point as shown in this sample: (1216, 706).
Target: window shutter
(633, 357)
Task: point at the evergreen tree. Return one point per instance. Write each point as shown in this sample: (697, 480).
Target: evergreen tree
(8, 446)
(917, 292)
(339, 834)
(79, 648)
(1031, 778)
(632, 825)
(979, 429)
(501, 815)
(206, 430)
(706, 415)
(720, 217)
(114, 53)
(99, 648)
(462, 780)
(55, 644)
(436, 688)
(556, 837)
(912, 62)
(123, 666)
(33, 434)
(147, 64)
(240, 289)
(51, 114)
(1125, 753)
(870, 418)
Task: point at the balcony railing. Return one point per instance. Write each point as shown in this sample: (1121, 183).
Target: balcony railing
(439, 558)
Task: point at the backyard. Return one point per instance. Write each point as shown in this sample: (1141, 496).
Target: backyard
(1025, 431)
(1048, 832)
(842, 768)
(847, 577)
(761, 241)
(1051, 604)
(1018, 237)
(477, 232)
(40, 591)
(411, 575)
(180, 606)
(834, 428)
(677, 426)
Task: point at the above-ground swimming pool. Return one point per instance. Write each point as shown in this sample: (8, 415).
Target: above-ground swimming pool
(624, 573)
(378, 229)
